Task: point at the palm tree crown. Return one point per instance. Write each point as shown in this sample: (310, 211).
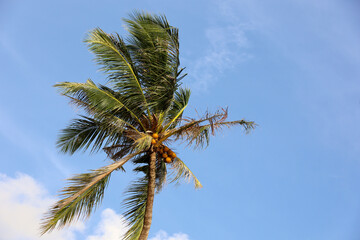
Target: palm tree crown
(134, 117)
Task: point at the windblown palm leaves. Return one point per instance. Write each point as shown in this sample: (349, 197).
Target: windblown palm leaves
(134, 117)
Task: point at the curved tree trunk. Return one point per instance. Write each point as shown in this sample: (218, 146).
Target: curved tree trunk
(150, 198)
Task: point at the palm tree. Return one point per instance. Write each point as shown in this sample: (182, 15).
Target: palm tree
(134, 117)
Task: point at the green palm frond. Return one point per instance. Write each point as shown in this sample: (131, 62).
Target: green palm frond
(118, 151)
(135, 203)
(182, 172)
(120, 117)
(112, 54)
(86, 131)
(154, 46)
(100, 99)
(84, 193)
(180, 102)
(142, 141)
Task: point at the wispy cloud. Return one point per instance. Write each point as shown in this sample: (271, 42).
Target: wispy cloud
(227, 47)
(226, 50)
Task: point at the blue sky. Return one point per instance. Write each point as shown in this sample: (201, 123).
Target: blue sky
(291, 66)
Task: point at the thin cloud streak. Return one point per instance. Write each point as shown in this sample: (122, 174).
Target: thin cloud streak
(228, 46)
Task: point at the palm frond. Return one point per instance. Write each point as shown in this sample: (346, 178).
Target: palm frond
(197, 133)
(178, 106)
(84, 193)
(247, 125)
(198, 136)
(119, 117)
(112, 53)
(85, 132)
(182, 172)
(100, 99)
(135, 203)
(142, 141)
(117, 151)
(191, 123)
(154, 45)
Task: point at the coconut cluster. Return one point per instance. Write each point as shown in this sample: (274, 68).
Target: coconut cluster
(163, 151)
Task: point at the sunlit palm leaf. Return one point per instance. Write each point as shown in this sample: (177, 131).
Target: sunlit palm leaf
(121, 117)
(135, 203)
(180, 102)
(182, 172)
(143, 141)
(80, 198)
(84, 132)
(99, 99)
(112, 54)
(155, 49)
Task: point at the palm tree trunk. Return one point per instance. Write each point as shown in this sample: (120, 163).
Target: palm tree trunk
(150, 198)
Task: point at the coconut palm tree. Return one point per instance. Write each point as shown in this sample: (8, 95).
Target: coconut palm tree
(134, 117)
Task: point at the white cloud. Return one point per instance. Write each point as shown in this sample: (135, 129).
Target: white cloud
(111, 227)
(22, 203)
(162, 235)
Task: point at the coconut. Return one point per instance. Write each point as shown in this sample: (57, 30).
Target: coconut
(168, 160)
